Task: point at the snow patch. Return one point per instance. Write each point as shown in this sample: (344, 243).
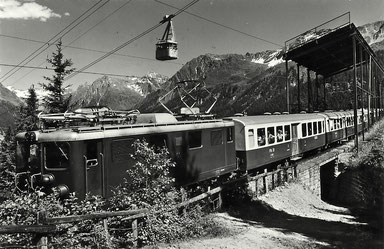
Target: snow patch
(23, 94)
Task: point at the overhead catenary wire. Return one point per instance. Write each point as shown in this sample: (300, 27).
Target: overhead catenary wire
(222, 25)
(129, 41)
(56, 37)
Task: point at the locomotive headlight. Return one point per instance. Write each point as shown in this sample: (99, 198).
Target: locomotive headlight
(33, 150)
(47, 179)
(61, 190)
(30, 137)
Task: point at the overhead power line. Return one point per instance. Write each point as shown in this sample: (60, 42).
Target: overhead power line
(88, 49)
(56, 37)
(129, 41)
(99, 22)
(52, 69)
(222, 25)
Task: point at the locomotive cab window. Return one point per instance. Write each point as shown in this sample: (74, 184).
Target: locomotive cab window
(194, 139)
(261, 136)
(304, 129)
(216, 137)
(271, 135)
(56, 155)
(279, 133)
(287, 132)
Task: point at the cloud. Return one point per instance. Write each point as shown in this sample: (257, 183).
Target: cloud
(15, 9)
(67, 14)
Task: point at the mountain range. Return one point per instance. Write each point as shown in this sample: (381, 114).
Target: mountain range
(252, 83)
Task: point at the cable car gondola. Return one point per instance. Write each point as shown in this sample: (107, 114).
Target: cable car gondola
(166, 48)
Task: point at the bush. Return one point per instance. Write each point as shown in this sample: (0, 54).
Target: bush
(148, 185)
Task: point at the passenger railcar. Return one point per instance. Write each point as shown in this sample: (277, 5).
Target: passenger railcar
(261, 140)
(95, 159)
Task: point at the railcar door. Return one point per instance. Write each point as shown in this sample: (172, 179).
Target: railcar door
(295, 140)
(94, 167)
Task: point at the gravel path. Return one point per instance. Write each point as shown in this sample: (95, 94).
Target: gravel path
(288, 217)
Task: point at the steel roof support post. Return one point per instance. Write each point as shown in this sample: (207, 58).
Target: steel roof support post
(309, 90)
(362, 89)
(369, 89)
(355, 93)
(325, 94)
(375, 90)
(287, 84)
(298, 89)
(317, 92)
(380, 96)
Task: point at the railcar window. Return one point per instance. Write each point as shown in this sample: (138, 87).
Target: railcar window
(331, 125)
(261, 136)
(194, 139)
(304, 129)
(56, 155)
(216, 137)
(323, 125)
(251, 138)
(279, 133)
(319, 127)
(229, 134)
(309, 129)
(122, 150)
(178, 141)
(314, 128)
(287, 132)
(271, 135)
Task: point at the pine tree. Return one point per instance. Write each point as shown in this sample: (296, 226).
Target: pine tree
(56, 101)
(28, 120)
(7, 163)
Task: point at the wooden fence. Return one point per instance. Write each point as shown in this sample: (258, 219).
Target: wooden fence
(258, 184)
(48, 225)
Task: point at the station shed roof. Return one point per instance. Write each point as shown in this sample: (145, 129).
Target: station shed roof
(328, 51)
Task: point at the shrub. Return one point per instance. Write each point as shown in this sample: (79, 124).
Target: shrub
(148, 185)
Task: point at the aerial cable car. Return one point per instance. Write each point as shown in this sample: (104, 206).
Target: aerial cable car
(166, 48)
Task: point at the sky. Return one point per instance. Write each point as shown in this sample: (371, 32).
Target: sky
(34, 22)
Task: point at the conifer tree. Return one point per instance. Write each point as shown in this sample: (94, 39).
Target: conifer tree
(28, 120)
(7, 163)
(56, 101)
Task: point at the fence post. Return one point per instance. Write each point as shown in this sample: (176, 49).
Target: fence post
(42, 239)
(184, 197)
(265, 181)
(107, 236)
(256, 187)
(135, 233)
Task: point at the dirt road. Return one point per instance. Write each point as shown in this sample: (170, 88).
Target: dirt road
(289, 217)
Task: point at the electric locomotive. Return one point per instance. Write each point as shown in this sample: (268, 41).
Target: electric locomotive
(94, 159)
